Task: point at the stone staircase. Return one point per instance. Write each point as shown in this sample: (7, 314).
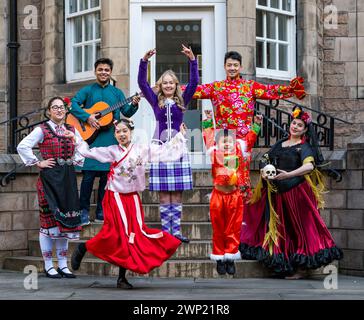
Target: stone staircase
(190, 260)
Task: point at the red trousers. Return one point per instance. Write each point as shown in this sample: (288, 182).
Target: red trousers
(226, 213)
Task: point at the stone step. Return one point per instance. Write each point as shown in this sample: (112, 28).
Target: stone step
(190, 212)
(198, 249)
(170, 268)
(198, 195)
(191, 230)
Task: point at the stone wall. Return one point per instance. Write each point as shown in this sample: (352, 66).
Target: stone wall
(343, 68)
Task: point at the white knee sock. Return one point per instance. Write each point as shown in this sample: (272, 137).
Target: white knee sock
(62, 250)
(46, 245)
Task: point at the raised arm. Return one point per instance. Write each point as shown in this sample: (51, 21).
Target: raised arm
(295, 88)
(190, 89)
(142, 79)
(208, 131)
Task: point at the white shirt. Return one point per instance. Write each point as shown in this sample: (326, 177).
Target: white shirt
(34, 138)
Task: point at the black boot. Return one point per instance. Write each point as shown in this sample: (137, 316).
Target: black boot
(220, 267)
(230, 266)
(77, 256)
(122, 283)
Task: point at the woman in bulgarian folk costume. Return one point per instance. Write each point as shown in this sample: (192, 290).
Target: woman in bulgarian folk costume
(124, 239)
(60, 217)
(282, 225)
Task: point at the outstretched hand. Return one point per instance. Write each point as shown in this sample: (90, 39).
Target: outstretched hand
(149, 54)
(187, 51)
(208, 114)
(183, 129)
(258, 119)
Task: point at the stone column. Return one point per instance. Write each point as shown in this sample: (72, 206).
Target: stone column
(115, 39)
(241, 32)
(309, 40)
(53, 45)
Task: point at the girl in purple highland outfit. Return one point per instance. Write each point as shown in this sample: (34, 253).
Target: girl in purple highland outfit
(169, 104)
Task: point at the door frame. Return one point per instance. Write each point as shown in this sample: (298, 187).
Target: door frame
(213, 25)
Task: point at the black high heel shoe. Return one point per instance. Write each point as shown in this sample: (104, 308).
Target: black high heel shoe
(65, 274)
(52, 276)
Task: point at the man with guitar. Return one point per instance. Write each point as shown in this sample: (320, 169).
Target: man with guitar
(102, 102)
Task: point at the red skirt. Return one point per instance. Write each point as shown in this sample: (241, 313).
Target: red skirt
(125, 240)
(306, 242)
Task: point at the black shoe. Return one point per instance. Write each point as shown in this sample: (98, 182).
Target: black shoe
(77, 256)
(65, 274)
(52, 276)
(182, 238)
(230, 266)
(220, 267)
(123, 284)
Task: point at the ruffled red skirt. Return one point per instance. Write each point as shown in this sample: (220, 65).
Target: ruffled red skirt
(125, 240)
(306, 242)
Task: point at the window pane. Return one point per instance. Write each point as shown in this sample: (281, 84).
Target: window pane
(88, 58)
(283, 57)
(95, 3)
(271, 25)
(282, 27)
(259, 22)
(262, 2)
(286, 5)
(72, 6)
(274, 4)
(89, 24)
(98, 51)
(271, 56)
(97, 25)
(77, 30)
(83, 4)
(260, 54)
(77, 59)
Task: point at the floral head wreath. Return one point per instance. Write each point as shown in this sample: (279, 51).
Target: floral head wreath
(129, 122)
(298, 113)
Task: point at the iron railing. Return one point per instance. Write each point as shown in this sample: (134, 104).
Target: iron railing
(276, 122)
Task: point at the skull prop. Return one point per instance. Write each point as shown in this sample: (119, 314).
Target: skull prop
(269, 171)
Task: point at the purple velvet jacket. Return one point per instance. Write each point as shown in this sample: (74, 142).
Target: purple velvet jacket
(170, 117)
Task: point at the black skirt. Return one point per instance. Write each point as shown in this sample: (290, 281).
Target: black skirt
(60, 191)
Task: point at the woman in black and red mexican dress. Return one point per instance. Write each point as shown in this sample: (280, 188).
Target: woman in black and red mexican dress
(56, 186)
(282, 225)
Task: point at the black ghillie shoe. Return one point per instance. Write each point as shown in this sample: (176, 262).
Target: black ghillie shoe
(220, 267)
(65, 274)
(52, 276)
(77, 256)
(230, 266)
(123, 284)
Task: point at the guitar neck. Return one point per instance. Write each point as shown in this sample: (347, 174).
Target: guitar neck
(117, 106)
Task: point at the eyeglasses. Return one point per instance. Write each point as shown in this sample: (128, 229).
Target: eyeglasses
(60, 108)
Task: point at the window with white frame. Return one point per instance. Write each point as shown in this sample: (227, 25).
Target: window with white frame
(275, 39)
(82, 38)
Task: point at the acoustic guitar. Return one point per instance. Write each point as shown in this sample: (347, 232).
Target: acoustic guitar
(104, 114)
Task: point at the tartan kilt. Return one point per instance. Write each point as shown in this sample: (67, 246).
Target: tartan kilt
(171, 176)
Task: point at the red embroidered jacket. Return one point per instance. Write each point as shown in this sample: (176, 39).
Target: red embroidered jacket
(230, 168)
(234, 100)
